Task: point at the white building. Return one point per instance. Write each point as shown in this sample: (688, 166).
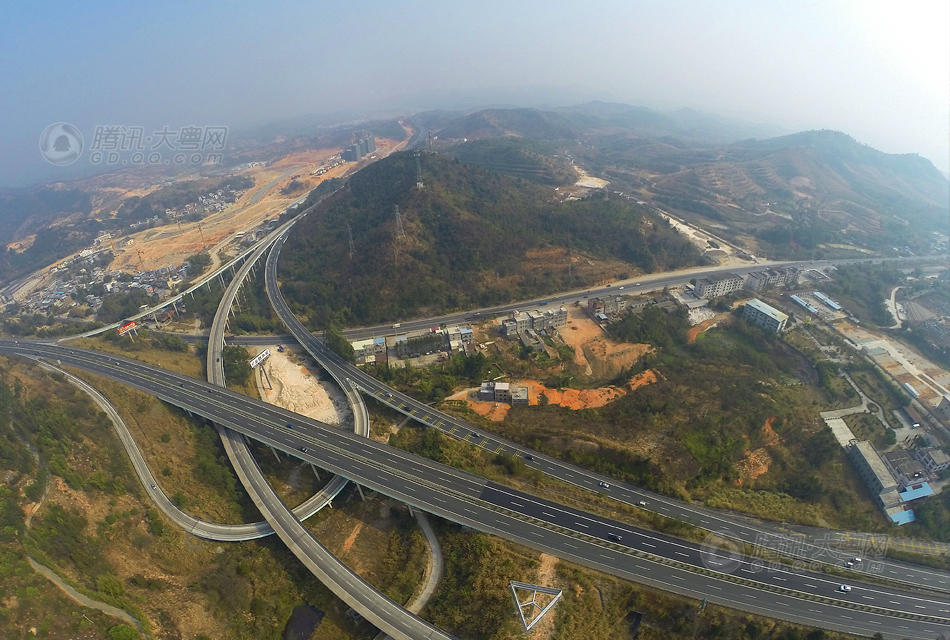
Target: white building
(765, 316)
(718, 285)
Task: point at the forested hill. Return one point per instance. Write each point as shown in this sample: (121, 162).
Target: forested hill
(473, 237)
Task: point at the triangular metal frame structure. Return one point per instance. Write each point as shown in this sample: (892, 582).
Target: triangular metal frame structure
(533, 603)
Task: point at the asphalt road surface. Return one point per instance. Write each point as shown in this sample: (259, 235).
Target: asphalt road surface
(679, 566)
(728, 525)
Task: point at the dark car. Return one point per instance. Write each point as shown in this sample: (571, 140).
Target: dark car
(290, 426)
(528, 456)
(304, 449)
(613, 537)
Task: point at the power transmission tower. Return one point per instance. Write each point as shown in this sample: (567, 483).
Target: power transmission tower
(419, 184)
(429, 140)
(349, 234)
(400, 230)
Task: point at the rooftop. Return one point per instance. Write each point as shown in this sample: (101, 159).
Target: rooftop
(921, 490)
(937, 455)
(768, 310)
(875, 463)
(716, 277)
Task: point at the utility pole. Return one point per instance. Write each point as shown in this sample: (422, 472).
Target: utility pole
(202, 235)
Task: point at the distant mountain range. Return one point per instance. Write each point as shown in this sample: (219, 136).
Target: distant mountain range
(807, 194)
(592, 117)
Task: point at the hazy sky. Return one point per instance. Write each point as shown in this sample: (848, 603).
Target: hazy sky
(877, 70)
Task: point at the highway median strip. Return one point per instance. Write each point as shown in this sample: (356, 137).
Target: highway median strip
(728, 577)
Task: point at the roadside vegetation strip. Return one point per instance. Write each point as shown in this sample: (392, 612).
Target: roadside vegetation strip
(762, 586)
(77, 596)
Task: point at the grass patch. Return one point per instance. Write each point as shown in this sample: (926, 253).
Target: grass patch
(112, 544)
(168, 352)
(184, 453)
(474, 601)
(864, 426)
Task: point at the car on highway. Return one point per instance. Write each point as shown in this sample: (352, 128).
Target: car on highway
(613, 537)
(642, 503)
(154, 486)
(528, 456)
(620, 287)
(844, 588)
(290, 426)
(605, 485)
(304, 449)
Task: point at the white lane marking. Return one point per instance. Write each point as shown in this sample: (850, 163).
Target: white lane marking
(581, 524)
(647, 544)
(680, 553)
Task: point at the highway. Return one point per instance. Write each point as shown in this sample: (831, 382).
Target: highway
(237, 448)
(742, 529)
(194, 526)
(344, 583)
(641, 556)
(640, 284)
(194, 287)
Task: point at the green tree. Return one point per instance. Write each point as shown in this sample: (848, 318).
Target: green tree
(338, 343)
(236, 367)
(123, 632)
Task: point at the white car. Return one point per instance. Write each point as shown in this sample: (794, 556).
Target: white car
(604, 484)
(844, 588)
